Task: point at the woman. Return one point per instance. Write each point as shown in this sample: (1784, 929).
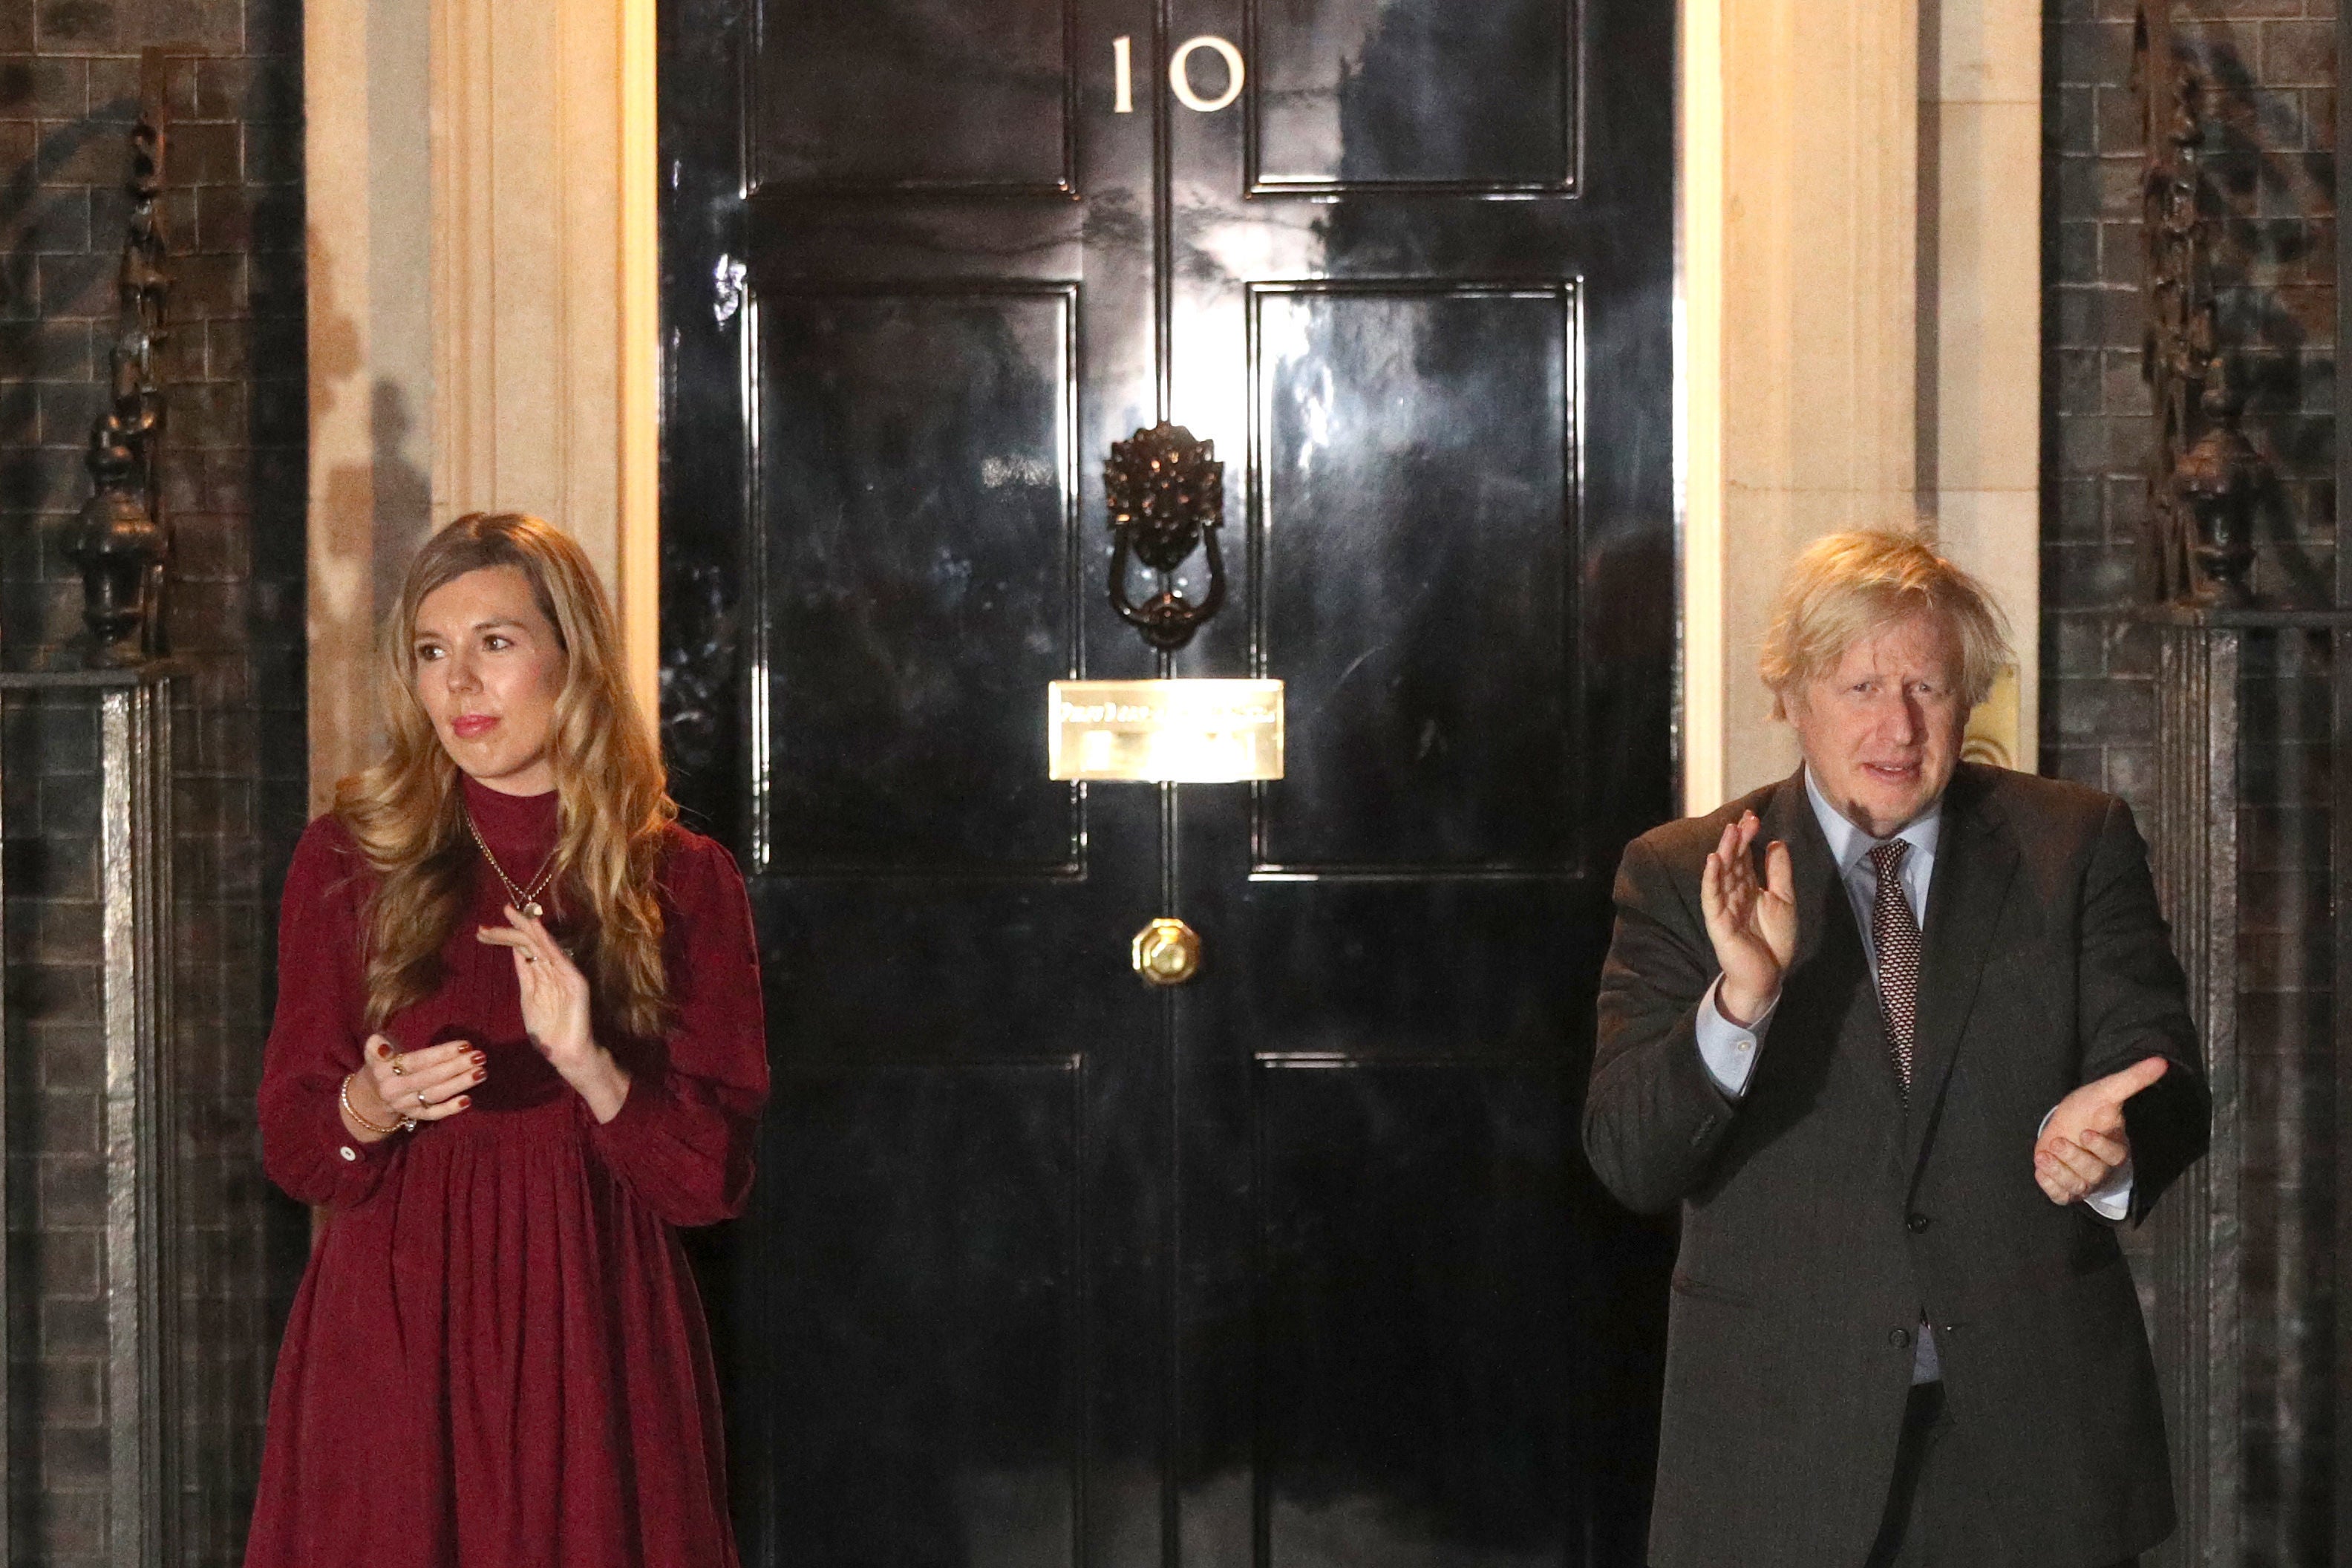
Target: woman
(519, 1041)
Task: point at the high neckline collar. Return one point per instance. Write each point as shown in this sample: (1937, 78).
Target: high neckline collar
(509, 818)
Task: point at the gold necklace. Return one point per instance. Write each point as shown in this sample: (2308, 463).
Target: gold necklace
(525, 898)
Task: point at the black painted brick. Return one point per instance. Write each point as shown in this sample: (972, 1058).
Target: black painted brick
(68, 87)
(2273, 105)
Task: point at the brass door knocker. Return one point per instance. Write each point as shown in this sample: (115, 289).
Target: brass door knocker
(1166, 492)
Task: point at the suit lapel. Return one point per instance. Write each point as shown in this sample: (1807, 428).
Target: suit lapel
(1974, 862)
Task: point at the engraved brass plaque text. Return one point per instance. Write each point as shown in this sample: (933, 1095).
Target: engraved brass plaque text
(1164, 731)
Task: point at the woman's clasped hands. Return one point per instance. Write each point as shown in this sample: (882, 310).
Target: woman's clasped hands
(395, 1086)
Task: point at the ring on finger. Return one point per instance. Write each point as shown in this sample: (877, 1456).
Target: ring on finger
(397, 1070)
(421, 1100)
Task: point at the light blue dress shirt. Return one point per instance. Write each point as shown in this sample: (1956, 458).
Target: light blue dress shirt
(1730, 1051)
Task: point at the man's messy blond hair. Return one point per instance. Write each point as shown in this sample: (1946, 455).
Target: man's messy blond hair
(1847, 587)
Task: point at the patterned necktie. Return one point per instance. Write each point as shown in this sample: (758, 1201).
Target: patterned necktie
(1895, 934)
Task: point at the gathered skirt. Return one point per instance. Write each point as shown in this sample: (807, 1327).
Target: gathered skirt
(498, 1360)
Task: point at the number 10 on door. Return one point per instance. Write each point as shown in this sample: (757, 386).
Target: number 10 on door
(1180, 73)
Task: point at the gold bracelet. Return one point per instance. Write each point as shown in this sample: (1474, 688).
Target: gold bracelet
(402, 1125)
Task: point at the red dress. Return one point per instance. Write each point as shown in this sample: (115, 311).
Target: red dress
(497, 1357)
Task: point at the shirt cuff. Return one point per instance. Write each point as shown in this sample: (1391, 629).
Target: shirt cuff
(2111, 1199)
(353, 1166)
(1729, 1051)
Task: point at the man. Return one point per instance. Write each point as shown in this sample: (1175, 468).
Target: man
(1903, 1082)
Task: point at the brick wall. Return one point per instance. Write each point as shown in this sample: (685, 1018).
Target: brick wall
(2270, 194)
(68, 72)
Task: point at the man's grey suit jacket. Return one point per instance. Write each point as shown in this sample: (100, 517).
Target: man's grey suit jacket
(1820, 1218)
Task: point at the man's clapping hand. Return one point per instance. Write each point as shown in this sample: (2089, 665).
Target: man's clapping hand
(2085, 1141)
(1753, 928)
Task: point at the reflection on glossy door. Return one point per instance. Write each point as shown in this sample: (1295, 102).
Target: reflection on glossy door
(1294, 1262)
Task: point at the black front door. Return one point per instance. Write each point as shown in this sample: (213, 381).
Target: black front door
(1295, 1263)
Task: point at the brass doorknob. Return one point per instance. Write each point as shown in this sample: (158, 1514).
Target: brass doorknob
(1167, 953)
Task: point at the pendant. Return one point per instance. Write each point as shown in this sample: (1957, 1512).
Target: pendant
(532, 910)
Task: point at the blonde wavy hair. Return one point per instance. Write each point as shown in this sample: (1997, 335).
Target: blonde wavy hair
(407, 814)
(1846, 586)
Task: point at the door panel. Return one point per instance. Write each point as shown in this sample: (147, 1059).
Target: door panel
(914, 596)
(1410, 1221)
(931, 1215)
(1414, 456)
(1356, 95)
(1297, 1264)
(877, 95)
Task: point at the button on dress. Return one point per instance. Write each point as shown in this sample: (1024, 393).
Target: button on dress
(496, 1358)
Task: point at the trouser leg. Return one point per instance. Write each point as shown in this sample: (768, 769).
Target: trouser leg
(1905, 1530)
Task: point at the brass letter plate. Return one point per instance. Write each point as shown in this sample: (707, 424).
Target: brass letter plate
(1164, 731)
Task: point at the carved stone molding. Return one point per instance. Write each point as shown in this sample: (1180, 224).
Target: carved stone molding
(2204, 1344)
(2194, 843)
(544, 308)
(2205, 473)
(132, 708)
(125, 539)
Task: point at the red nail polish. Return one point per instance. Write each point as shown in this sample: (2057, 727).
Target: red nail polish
(479, 1075)
(479, 1059)
(464, 1100)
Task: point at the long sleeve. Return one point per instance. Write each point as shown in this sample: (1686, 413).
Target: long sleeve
(683, 1138)
(1655, 1111)
(2132, 1001)
(2111, 1199)
(319, 1029)
(1728, 1049)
